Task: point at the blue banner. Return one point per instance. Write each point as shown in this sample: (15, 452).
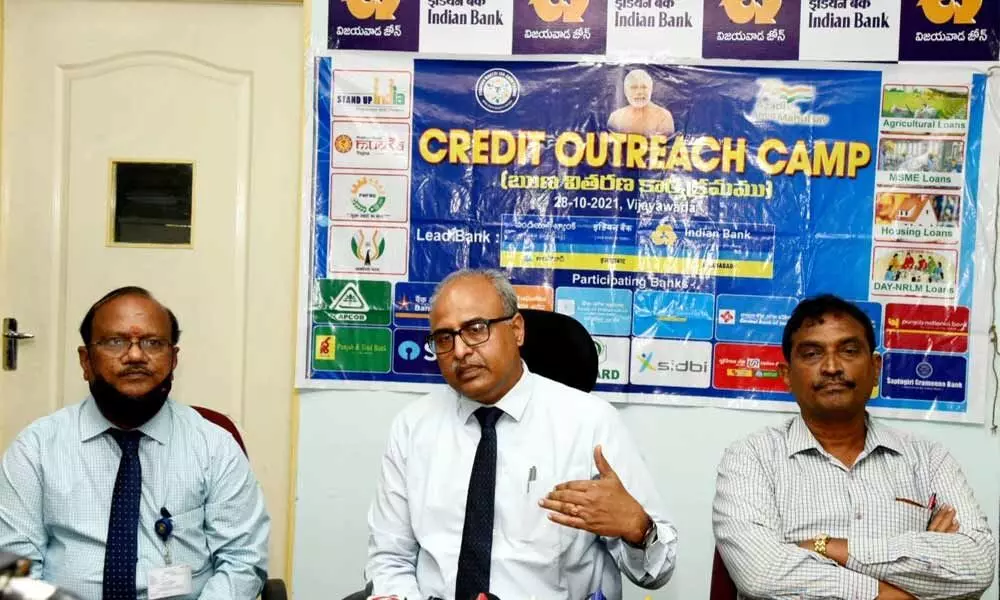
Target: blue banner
(649, 202)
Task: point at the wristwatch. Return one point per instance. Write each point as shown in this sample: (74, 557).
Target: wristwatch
(819, 544)
(648, 539)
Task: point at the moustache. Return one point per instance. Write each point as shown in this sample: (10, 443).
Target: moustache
(135, 371)
(831, 382)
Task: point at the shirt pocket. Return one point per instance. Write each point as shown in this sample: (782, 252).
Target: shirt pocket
(188, 542)
(528, 523)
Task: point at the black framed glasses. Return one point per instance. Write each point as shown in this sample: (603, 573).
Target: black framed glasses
(118, 346)
(473, 333)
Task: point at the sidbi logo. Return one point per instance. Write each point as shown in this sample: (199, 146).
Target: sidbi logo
(761, 12)
(570, 11)
(382, 10)
(961, 12)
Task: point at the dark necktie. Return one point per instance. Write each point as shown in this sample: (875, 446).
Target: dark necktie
(477, 533)
(122, 550)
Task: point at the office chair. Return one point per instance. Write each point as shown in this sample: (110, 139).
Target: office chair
(723, 587)
(274, 589)
(556, 346)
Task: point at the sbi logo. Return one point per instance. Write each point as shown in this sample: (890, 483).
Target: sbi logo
(410, 350)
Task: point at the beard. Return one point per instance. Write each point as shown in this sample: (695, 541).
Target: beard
(129, 412)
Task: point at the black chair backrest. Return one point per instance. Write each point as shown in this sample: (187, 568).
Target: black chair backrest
(559, 347)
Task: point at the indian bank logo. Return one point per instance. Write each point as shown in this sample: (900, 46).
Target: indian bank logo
(960, 12)
(343, 143)
(569, 11)
(367, 249)
(761, 12)
(382, 10)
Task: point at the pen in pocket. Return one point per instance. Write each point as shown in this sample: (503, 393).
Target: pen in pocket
(531, 478)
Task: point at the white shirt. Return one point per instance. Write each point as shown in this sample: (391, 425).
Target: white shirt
(415, 523)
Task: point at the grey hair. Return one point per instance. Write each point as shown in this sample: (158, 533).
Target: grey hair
(495, 276)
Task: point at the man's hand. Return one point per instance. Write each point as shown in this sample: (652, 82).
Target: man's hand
(888, 592)
(602, 506)
(944, 521)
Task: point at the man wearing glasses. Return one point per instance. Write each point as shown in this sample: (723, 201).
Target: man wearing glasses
(507, 482)
(129, 494)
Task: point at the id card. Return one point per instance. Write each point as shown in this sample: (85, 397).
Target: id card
(169, 582)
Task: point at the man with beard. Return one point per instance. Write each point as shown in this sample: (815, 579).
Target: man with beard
(129, 494)
(835, 504)
(642, 115)
(508, 482)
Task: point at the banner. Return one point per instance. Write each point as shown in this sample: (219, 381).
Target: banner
(822, 30)
(679, 213)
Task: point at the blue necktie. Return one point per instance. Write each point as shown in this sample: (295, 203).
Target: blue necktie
(122, 550)
(477, 532)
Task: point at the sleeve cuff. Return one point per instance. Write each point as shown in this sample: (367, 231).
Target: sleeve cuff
(868, 551)
(646, 563)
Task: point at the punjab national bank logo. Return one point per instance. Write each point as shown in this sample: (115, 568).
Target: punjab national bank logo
(960, 12)
(761, 12)
(382, 10)
(569, 11)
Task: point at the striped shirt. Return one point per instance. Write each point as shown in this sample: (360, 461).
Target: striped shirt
(779, 487)
(56, 484)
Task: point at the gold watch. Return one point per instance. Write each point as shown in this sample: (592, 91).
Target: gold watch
(819, 544)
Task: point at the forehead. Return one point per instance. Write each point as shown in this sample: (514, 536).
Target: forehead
(829, 328)
(131, 313)
(464, 299)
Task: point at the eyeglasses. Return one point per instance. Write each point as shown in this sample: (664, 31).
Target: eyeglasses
(119, 346)
(473, 333)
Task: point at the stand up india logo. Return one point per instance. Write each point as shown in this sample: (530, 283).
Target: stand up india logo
(959, 12)
(382, 10)
(761, 12)
(569, 11)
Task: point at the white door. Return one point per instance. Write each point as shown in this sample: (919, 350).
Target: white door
(213, 86)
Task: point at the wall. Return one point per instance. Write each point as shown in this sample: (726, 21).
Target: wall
(341, 440)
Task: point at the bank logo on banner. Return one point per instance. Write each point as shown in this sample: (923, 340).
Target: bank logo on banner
(864, 30)
(961, 12)
(497, 90)
(356, 302)
(758, 29)
(959, 29)
(368, 250)
(638, 27)
(671, 363)
(761, 12)
(379, 197)
(560, 27)
(475, 26)
(369, 146)
(371, 94)
(374, 25)
(778, 102)
(612, 359)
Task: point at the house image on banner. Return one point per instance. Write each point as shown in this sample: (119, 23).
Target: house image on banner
(913, 209)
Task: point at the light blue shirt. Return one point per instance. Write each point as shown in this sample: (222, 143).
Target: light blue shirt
(56, 484)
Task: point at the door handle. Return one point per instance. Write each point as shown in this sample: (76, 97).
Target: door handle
(11, 337)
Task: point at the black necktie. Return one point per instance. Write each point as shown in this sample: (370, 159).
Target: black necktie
(122, 550)
(477, 533)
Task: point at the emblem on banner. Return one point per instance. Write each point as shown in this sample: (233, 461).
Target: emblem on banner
(367, 249)
(326, 347)
(382, 10)
(497, 90)
(343, 143)
(570, 11)
(761, 12)
(961, 12)
(368, 195)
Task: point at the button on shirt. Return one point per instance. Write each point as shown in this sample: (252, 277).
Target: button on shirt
(780, 487)
(546, 436)
(56, 487)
